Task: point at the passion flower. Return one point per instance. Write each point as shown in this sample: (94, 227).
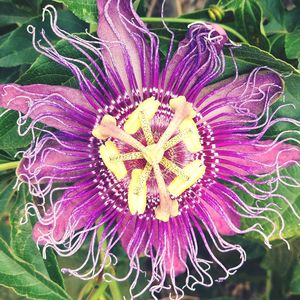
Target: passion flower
(149, 151)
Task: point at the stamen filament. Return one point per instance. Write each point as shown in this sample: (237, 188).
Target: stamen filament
(127, 156)
(144, 177)
(174, 168)
(166, 207)
(176, 139)
(109, 129)
(183, 110)
(146, 128)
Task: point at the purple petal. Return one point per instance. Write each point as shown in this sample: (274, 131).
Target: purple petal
(217, 215)
(247, 95)
(61, 107)
(127, 232)
(75, 209)
(55, 158)
(125, 50)
(172, 246)
(197, 61)
(265, 156)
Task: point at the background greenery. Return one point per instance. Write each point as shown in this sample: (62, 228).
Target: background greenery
(270, 33)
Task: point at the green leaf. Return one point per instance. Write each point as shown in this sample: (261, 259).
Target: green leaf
(280, 265)
(220, 298)
(10, 14)
(9, 136)
(200, 15)
(85, 10)
(53, 268)
(292, 45)
(274, 11)
(22, 243)
(21, 240)
(7, 182)
(292, 228)
(277, 42)
(16, 47)
(249, 19)
(139, 6)
(24, 279)
(279, 19)
(7, 121)
(291, 96)
(249, 57)
(9, 74)
(295, 282)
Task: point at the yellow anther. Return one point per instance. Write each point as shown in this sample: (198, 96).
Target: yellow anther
(164, 215)
(192, 139)
(149, 107)
(98, 131)
(195, 170)
(175, 208)
(137, 191)
(179, 103)
(117, 168)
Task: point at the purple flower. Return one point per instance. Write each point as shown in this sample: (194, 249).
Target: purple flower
(149, 151)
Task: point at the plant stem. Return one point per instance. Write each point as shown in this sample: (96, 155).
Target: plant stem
(9, 165)
(268, 284)
(190, 21)
(179, 7)
(93, 27)
(151, 8)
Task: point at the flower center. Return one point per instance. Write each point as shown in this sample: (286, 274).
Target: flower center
(181, 129)
(153, 154)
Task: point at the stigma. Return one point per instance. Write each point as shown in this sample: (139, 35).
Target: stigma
(181, 129)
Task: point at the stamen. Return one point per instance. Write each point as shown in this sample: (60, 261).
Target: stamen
(176, 139)
(127, 156)
(167, 208)
(174, 168)
(146, 128)
(98, 133)
(195, 170)
(108, 128)
(191, 141)
(137, 191)
(145, 176)
(181, 103)
(149, 107)
(117, 168)
(153, 154)
(183, 110)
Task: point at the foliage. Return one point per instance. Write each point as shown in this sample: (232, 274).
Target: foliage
(271, 35)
